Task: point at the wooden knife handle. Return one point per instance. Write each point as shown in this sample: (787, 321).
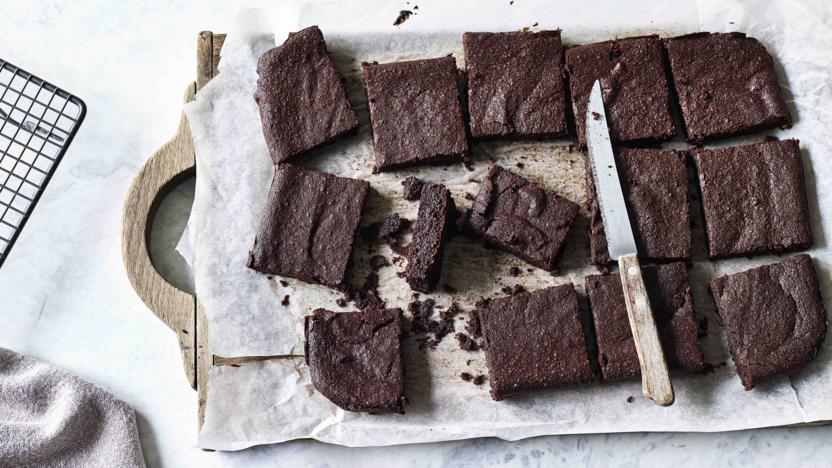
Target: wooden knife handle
(655, 380)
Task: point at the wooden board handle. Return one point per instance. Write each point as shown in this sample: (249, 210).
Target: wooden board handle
(655, 380)
(171, 164)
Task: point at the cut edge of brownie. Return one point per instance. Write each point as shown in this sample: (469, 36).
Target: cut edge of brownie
(433, 226)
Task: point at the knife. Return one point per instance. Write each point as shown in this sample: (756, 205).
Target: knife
(655, 380)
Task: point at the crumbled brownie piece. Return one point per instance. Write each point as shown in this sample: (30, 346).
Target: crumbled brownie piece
(284, 283)
(285, 301)
(726, 85)
(308, 226)
(514, 271)
(634, 83)
(341, 302)
(302, 99)
(432, 229)
(479, 380)
(515, 84)
(473, 326)
(355, 359)
(655, 186)
(672, 305)
(466, 376)
(466, 343)
(773, 316)
(415, 112)
(521, 218)
(534, 341)
(753, 198)
(412, 188)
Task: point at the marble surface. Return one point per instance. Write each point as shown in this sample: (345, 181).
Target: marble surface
(64, 296)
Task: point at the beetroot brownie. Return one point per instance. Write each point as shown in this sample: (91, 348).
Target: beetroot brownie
(773, 316)
(534, 340)
(308, 226)
(672, 305)
(302, 99)
(521, 218)
(726, 85)
(433, 226)
(415, 112)
(655, 186)
(634, 84)
(753, 198)
(355, 359)
(515, 84)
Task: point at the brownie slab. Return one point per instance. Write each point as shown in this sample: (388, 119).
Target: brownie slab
(655, 186)
(355, 359)
(534, 340)
(634, 83)
(415, 112)
(434, 224)
(672, 305)
(302, 99)
(521, 218)
(773, 316)
(753, 198)
(308, 226)
(726, 85)
(515, 84)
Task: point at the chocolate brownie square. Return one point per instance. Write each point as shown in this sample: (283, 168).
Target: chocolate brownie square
(634, 83)
(355, 359)
(753, 198)
(672, 305)
(534, 340)
(773, 316)
(302, 99)
(415, 112)
(515, 84)
(434, 224)
(655, 186)
(521, 218)
(726, 85)
(308, 226)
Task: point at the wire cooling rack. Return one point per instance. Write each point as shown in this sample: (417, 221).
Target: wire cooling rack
(37, 124)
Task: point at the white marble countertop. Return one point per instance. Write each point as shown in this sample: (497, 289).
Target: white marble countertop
(65, 299)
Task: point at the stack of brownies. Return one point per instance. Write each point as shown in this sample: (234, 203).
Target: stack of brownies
(518, 86)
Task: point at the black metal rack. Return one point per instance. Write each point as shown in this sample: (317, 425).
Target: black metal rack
(38, 121)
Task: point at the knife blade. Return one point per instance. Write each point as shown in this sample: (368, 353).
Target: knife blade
(621, 244)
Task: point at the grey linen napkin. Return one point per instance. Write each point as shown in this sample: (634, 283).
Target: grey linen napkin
(51, 418)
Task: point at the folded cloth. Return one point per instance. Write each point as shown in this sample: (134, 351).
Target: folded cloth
(51, 418)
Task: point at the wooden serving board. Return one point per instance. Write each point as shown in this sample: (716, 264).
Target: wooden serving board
(166, 168)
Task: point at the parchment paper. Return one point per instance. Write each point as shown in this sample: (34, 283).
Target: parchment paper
(273, 400)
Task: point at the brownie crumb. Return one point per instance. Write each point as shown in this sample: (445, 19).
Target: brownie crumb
(469, 196)
(341, 302)
(432, 331)
(284, 283)
(466, 343)
(412, 188)
(514, 271)
(468, 362)
(365, 297)
(466, 376)
(378, 261)
(285, 301)
(479, 380)
(473, 326)
(512, 291)
(596, 116)
(520, 165)
(390, 228)
(403, 16)
(630, 399)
